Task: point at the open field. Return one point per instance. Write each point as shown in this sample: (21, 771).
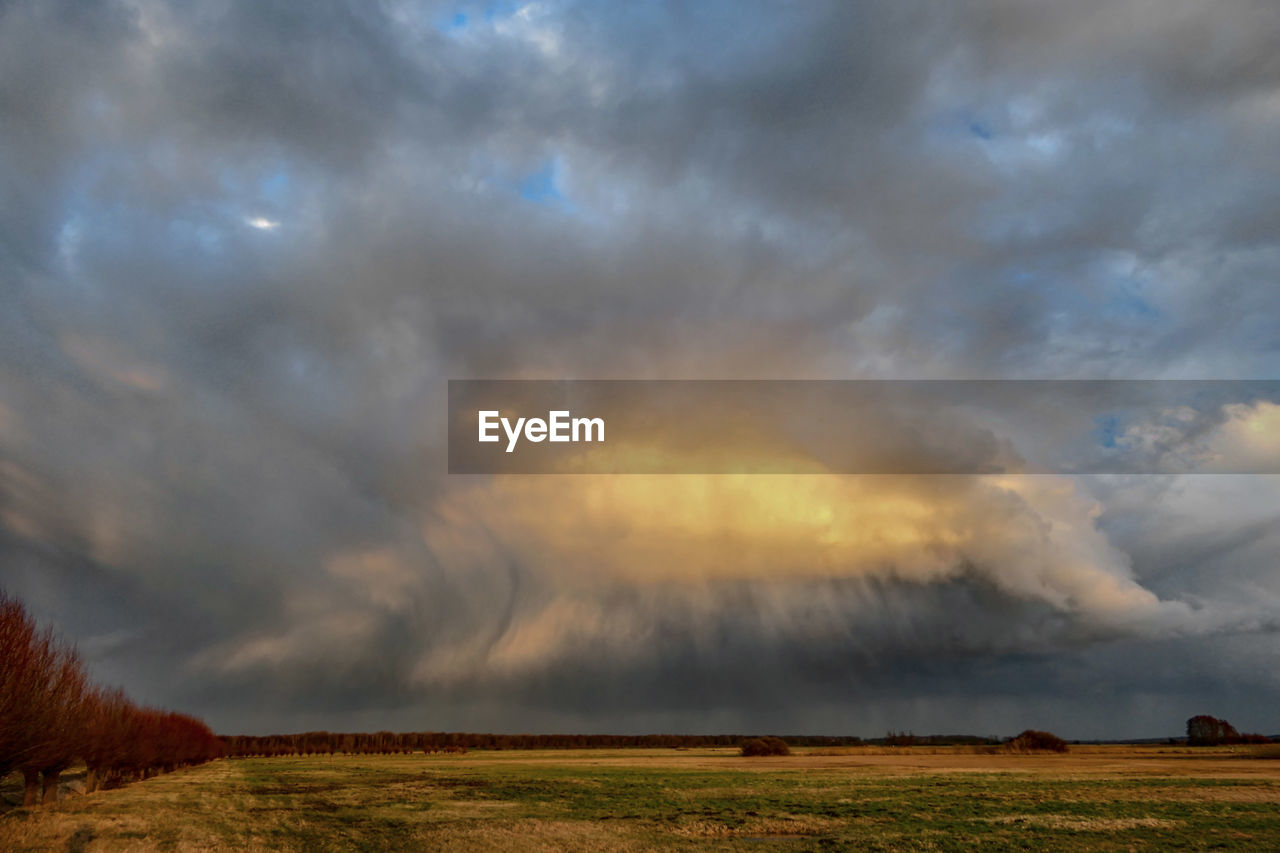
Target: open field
(1094, 798)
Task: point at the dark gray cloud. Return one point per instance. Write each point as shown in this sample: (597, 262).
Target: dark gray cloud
(245, 244)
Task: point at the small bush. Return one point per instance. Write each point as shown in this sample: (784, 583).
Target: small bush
(1253, 739)
(765, 746)
(1036, 741)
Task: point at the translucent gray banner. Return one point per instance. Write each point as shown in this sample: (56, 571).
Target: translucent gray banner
(864, 426)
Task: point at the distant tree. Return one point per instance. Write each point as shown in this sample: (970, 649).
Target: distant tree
(1251, 738)
(1033, 740)
(241, 746)
(1204, 730)
(765, 746)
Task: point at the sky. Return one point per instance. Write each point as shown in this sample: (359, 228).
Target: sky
(245, 245)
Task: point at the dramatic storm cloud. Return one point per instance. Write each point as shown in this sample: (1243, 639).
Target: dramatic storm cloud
(244, 246)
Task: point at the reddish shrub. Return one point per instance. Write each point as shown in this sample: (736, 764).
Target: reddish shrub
(765, 746)
(1032, 740)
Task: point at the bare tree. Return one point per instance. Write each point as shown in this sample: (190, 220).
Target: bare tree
(19, 681)
(106, 726)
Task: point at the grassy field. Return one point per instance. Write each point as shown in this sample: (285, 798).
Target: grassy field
(1093, 799)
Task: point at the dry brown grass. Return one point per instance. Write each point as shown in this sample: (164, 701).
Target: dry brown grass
(907, 798)
(535, 836)
(786, 825)
(1077, 824)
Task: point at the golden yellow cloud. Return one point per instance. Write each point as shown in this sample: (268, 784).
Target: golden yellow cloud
(1032, 536)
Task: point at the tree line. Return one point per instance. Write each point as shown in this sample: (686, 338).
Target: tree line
(52, 715)
(388, 743)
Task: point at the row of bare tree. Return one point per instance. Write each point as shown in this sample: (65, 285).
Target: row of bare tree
(385, 742)
(51, 716)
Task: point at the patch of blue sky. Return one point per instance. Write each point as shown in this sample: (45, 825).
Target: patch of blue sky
(460, 19)
(1107, 428)
(274, 186)
(542, 182)
(453, 24)
(541, 186)
(499, 9)
(959, 126)
(1008, 144)
(1130, 306)
(545, 185)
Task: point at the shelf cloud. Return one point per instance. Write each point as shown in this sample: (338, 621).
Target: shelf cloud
(247, 244)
